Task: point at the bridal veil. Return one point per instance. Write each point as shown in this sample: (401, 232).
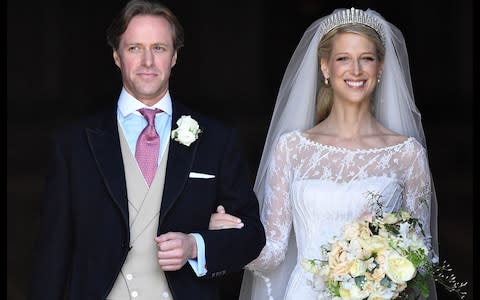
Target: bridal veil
(393, 105)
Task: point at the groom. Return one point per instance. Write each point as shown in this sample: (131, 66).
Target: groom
(127, 204)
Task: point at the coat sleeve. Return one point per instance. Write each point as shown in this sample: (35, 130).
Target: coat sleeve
(53, 246)
(230, 250)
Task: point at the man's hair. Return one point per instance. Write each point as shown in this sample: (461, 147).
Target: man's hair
(143, 7)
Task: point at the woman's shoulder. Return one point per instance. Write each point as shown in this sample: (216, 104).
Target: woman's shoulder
(289, 134)
(288, 137)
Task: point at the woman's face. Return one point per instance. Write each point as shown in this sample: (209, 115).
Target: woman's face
(353, 67)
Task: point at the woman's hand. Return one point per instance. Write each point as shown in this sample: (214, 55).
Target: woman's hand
(222, 220)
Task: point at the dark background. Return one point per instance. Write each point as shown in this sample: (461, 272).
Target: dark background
(59, 68)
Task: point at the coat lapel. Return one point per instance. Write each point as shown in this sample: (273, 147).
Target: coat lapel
(179, 164)
(105, 145)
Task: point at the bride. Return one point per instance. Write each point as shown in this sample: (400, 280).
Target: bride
(344, 124)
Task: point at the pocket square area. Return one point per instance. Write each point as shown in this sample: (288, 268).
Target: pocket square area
(200, 175)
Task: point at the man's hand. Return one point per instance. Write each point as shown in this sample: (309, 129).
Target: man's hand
(222, 220)
(174, 249)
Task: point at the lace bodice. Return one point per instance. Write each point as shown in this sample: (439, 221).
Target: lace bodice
(317, 188)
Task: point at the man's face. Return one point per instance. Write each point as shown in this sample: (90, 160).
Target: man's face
(145, 57)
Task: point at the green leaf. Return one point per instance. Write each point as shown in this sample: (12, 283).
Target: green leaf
(334, 287)
(420, 282)
(360, 281)
(386, 282)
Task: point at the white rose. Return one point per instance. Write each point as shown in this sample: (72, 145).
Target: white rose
(186, 137)
(187, 123)
(398, 268)
(187, 130)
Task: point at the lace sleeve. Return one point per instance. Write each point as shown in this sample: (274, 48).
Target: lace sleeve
(418, 189)
(276, 213)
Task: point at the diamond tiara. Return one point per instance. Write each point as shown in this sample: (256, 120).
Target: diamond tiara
(352, 16)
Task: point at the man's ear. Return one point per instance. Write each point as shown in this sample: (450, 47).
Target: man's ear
(174, 59)
(116, 58)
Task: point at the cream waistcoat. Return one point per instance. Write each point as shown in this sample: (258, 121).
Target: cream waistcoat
(141, 277)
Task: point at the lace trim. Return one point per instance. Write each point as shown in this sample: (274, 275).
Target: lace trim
(358, 150)
(268, 284)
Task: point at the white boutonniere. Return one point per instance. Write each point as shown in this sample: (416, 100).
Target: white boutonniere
(187, 131)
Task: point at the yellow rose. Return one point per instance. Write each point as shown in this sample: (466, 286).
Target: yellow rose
(364, 231)
(340, 268)
(398, 268)
(357, 268)
(380, 258)
(349, 290)
(377, 296)
(356, 248)
(309, 265)
(375, 244)
(351, 231)
(369, 286)
(383, 232)
(338, 261)
(389, 218)
(377, 275)
(405, 215)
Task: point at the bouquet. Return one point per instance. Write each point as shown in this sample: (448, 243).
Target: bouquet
(379, 256)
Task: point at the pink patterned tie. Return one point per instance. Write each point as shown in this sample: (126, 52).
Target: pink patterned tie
(148, 145)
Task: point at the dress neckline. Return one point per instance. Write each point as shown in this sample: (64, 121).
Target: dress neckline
(353, 150)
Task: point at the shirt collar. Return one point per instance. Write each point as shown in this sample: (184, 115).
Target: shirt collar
(127, 104)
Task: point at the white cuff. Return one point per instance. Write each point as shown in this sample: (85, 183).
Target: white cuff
(199, 265)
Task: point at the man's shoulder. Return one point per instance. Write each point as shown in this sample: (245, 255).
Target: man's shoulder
(205, 120)
(100, 118)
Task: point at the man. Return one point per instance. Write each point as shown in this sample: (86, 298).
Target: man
(114, 229)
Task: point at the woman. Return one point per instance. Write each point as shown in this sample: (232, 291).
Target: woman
(345, 124)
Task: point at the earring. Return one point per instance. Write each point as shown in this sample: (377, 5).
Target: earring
(378, 80)
(326, 81)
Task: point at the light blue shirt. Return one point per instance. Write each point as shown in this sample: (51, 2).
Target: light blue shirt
(132, 124)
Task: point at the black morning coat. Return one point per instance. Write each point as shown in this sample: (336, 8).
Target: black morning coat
(83, 238)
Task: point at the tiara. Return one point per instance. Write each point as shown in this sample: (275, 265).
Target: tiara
(352, 16)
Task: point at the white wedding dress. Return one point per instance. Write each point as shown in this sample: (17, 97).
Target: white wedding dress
(318, 188)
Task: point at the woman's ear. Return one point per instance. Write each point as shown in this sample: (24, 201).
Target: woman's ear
(380, 70)
(324, 68)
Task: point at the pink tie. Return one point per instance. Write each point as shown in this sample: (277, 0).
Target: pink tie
(148, 145)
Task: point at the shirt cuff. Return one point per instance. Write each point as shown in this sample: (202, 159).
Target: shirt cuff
(199, 265)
